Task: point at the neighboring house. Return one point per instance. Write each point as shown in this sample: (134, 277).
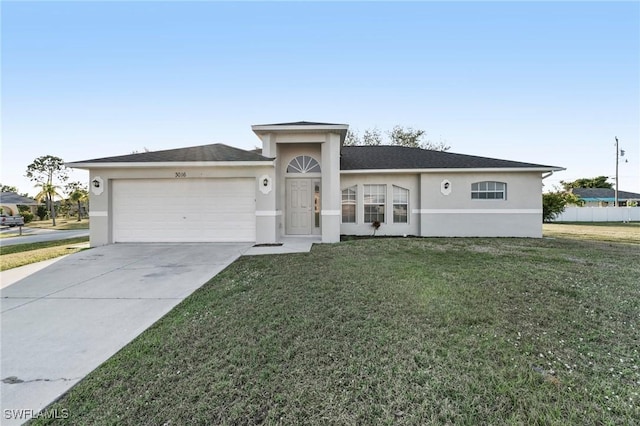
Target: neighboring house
(304, 182)
(602, 197)
(9, 202)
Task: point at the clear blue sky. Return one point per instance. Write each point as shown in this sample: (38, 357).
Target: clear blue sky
(544, 82)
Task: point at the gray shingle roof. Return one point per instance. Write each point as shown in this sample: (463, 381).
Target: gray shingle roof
(352, 158)
(400, 157)
(13, 198)
(213, 152)
(604, 193)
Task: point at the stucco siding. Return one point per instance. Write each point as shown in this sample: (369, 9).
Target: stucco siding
(299, 137)
(524, 191)
(458, 215)
(330, 215)
(475, 224)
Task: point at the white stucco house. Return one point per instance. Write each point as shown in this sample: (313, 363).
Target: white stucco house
(304, 182)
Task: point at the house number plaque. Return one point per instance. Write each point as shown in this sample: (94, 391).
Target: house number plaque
(181, 174)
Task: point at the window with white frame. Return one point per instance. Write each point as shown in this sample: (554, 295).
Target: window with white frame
(303, 164)
(400, 204)
(349, 205)
(374, 203)
(489, 190)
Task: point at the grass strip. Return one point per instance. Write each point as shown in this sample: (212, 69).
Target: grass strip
(596, 231)
(61, 224)
(25, 254)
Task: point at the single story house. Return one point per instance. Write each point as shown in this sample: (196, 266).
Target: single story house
(602, 197)
(9, 202)
(304, 182)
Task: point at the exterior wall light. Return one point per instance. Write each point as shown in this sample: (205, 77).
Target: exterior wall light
(97, 185)
(445, 187)
(265, 184)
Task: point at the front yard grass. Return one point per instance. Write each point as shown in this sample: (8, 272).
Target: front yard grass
(386, 331)
(62, 224)
(25, 254)
(596, 231)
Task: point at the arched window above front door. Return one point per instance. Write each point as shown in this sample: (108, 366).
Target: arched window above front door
(303, 164)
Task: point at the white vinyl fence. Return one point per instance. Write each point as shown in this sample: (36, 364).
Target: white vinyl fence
(599, 214)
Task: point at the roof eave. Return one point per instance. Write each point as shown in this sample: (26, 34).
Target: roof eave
(150, 164)
(268, 128)
(457, 170)
(263, 129)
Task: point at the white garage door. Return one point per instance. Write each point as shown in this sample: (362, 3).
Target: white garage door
(183, 210)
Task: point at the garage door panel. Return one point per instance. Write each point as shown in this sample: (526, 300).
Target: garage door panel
(193, 210)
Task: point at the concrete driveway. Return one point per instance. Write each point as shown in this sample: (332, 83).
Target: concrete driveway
(65, 320)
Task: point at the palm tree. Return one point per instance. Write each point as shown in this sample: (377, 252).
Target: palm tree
(79, 195)
(48, 191)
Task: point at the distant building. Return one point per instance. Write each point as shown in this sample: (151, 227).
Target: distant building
(602, 197)
(9, 202)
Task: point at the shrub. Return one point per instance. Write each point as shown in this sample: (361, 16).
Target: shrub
(42, 212)
(27, 215)
(553, 203)
(25, 212)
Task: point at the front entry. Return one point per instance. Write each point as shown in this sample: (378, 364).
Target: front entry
(303, 206)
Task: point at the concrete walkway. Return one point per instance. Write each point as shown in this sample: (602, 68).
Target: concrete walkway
(62, 318)
(289, 245)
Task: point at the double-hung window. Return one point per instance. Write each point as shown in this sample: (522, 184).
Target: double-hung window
(374, 203)
(349, 205)
(489, 190)
(400, 204)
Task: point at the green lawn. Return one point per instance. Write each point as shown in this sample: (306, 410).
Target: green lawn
(62, 224)
(25, 254)
(390, 331)
(596, 231)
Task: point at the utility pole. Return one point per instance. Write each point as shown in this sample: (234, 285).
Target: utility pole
(616, 191)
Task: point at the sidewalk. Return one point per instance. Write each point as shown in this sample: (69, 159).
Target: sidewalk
(35, 235)
(14, 275)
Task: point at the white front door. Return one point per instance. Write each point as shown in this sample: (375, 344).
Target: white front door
(299, 206)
